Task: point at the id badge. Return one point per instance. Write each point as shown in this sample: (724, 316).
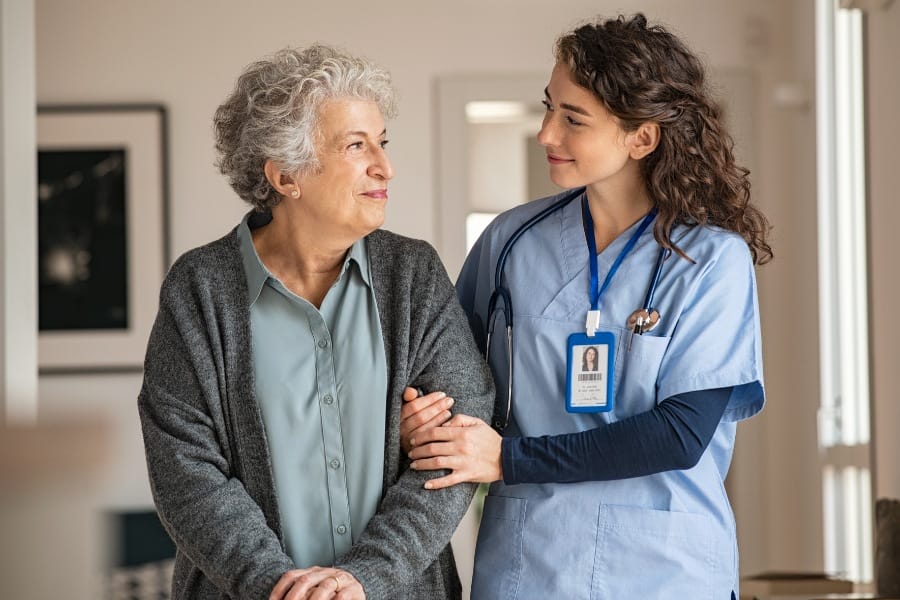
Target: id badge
(589, 372)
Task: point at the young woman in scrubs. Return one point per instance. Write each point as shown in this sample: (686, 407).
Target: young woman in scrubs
(621, 500)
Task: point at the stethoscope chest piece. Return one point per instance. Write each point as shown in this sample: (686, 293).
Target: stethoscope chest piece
(643, 320)
(646, 319)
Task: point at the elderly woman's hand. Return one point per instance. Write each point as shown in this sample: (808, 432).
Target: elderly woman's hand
(420, 413)
(468, 447)
(317, 583)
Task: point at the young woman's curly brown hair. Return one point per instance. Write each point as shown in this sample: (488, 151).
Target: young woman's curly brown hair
(644, 73)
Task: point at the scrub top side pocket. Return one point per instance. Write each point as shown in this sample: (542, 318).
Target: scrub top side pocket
(498, 553)
(655, 554)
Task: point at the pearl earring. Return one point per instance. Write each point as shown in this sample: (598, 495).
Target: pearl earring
(295, 193)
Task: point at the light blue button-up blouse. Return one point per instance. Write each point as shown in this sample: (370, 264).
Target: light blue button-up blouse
(321, 383)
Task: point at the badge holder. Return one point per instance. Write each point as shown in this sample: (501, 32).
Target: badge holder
(590, 357)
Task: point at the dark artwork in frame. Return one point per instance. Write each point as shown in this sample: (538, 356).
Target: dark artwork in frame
(103, 242)
(82, 243)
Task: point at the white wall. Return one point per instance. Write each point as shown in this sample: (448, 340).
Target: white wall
(187, 54)
(497, 176)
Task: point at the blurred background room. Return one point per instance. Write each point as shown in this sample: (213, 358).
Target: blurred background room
(811, 90)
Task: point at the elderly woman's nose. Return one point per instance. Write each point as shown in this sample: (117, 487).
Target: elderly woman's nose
(381, 165)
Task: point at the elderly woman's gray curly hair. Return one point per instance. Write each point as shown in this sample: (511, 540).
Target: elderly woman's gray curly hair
(273, 110)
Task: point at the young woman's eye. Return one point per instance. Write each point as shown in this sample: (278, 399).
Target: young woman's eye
(572, 121)
(547, 105)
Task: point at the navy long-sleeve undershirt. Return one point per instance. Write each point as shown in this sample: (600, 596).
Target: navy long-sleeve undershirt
(673, 435)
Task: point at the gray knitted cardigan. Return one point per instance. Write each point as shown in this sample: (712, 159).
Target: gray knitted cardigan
(208, 461)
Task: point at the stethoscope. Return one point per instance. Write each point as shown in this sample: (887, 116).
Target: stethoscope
(640, 321)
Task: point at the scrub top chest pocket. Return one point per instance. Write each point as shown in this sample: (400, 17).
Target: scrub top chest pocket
(636, 372)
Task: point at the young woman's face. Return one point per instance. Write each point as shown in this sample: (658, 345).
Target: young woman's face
(590, 355)
(584, 142)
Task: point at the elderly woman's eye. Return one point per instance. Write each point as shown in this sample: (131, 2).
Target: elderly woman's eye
(355, 146)
(383, 143)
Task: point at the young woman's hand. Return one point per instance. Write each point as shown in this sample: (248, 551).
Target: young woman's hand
(468, 447)
(420, 413)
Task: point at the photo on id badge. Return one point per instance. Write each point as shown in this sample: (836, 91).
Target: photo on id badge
(589, 373)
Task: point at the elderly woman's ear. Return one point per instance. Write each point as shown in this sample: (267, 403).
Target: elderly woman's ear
(281, 182)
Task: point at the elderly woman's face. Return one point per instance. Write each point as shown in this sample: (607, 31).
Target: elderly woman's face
(348, 193)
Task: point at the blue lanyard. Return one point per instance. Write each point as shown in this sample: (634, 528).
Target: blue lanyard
(592, 251)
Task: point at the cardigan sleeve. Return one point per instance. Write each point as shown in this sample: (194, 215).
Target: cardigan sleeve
(414, 525)
(206, 509)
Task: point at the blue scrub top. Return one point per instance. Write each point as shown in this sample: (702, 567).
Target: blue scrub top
(666, 535)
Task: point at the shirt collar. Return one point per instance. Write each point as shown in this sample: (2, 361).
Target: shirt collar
(256, 272)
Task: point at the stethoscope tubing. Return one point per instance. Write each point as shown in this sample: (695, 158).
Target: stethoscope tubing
(651, 290)
(501, 292)
(534, 220)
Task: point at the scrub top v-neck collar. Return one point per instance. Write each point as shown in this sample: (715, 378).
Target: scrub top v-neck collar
(575, 252)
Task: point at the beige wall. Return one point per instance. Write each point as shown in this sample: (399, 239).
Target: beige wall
(186, 55)
(883, 79)
(18, 220)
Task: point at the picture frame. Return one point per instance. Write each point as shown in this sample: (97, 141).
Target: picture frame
(103, 239)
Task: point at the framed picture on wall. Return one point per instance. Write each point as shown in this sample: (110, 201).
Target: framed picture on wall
(102, 234)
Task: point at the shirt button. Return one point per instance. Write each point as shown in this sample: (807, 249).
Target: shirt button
(335, 463)
(328, 399)
(342, 529)
(323, 343)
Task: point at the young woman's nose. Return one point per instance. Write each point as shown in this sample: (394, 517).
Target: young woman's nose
(547, 136)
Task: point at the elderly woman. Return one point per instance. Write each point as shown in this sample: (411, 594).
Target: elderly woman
(272, 390)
